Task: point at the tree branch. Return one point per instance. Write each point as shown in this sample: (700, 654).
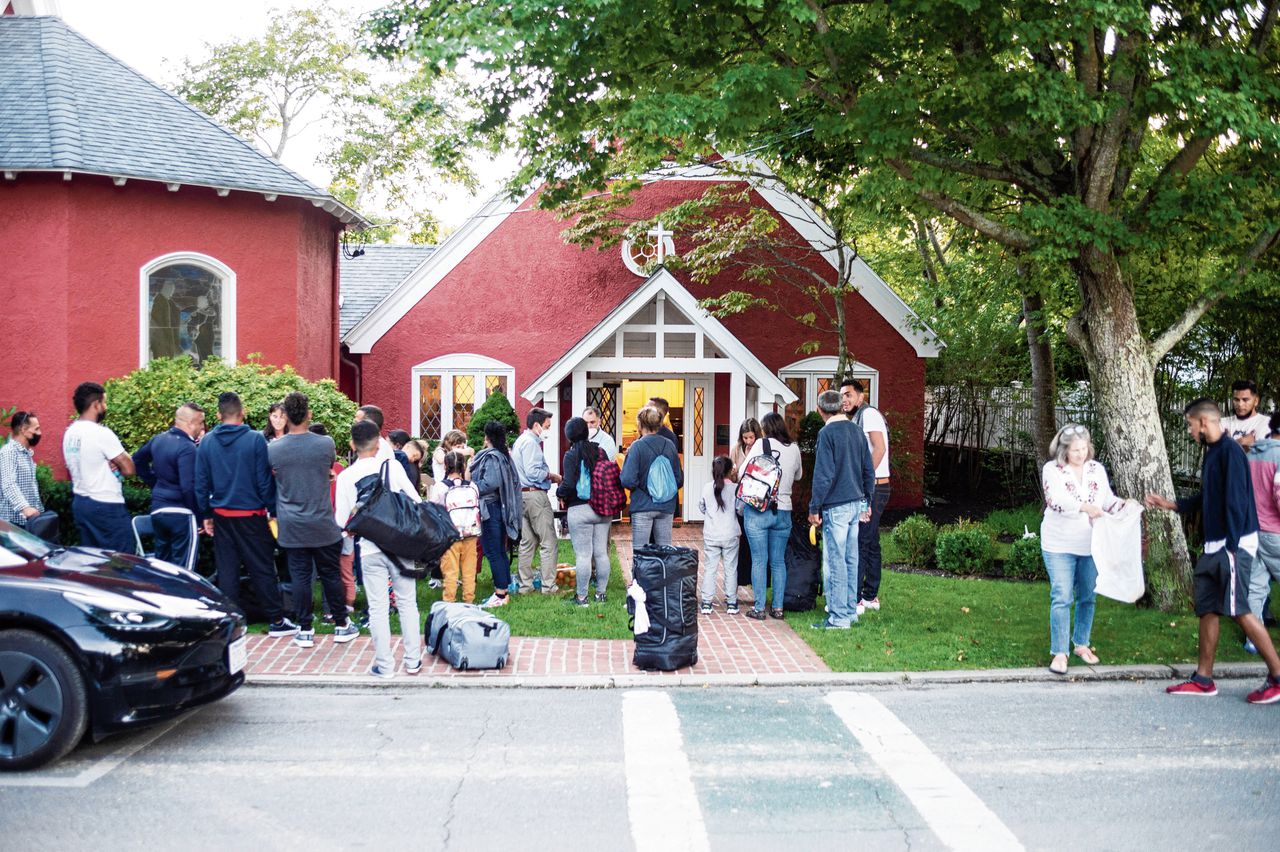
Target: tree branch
(1174, 333)
(1009, 174)
(998, 231)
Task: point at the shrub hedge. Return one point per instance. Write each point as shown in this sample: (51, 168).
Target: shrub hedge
(1025, 561)
(916, 538)
(496, 407)
(965, 548)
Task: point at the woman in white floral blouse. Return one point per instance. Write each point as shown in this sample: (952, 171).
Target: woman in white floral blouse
(1076, 491)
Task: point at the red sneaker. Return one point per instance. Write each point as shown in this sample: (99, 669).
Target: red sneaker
(1191, 687)
(1269, 694)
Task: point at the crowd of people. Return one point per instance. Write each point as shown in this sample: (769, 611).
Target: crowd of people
(285, 490)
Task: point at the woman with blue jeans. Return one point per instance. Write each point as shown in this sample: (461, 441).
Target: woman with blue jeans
(1076, 492)
(494, 474)
(768, 530)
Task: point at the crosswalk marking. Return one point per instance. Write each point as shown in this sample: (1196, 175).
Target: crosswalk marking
(661, 801)
(954, 812)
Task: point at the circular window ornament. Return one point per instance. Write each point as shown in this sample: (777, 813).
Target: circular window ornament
(653, 251)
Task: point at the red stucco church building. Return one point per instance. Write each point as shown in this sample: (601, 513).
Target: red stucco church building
(137, 227)
(506, 304)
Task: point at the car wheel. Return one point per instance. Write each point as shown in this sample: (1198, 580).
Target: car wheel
(43, 709)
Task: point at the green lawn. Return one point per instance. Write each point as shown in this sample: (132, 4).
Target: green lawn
(928, 623)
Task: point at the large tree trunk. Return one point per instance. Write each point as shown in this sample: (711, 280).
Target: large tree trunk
(1123, 383)
(1043, 381)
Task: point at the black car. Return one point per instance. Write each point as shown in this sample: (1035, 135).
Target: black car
(97, 641)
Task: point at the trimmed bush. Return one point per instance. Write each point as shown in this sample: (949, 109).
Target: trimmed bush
(1025, 561)
(496, 407)
(916, 538)
(142, 403)
(965, 548)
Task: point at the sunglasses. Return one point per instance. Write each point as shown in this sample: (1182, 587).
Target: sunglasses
(1073, 430)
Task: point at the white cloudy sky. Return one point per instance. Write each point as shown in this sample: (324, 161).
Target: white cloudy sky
(155, 36)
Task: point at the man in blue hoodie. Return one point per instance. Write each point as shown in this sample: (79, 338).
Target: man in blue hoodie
(167, 463)
(234, 493)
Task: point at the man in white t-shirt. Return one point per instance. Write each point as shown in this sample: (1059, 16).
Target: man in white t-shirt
(373, 414)
(1247, 425)
(853, 399)
(97, 462)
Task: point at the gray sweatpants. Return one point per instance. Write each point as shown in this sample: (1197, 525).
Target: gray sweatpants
(1265, 568)
(715, 554)
(590, 535)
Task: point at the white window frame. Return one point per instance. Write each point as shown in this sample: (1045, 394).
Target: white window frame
(824, 367)
(449, 366)
(204, 261)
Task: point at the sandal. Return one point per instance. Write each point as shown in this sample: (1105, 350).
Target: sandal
(1055, 667)
(1085, 653)
(757, 614)
(775, 613)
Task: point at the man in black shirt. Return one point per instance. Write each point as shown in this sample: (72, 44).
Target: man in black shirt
(1221, 579)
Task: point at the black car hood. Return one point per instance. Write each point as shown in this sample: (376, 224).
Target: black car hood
(86, 568)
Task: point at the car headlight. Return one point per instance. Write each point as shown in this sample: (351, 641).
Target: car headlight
(118, 612)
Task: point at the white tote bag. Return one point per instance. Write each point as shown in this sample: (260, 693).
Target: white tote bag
(1117, 551)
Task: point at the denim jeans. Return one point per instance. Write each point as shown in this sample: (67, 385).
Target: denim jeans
(840, 562)
(1265, 568)
(715, 554)
(1071, 577)
(869, 546)
(493, 538)
(590, 535)
(377, 569)
(642, 523)
(767, 532)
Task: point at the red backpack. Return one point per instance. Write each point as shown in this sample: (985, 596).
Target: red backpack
(607, 495)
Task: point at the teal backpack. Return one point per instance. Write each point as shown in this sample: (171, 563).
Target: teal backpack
(661, 480)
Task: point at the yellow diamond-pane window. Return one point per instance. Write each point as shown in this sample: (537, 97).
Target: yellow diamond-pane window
(795, 410)
(464, 401)
(429, 409)
(824, 384)
(493, 383)
(698, 413)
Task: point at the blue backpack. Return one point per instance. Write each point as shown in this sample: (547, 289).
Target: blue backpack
(584, 482)
(660, 481)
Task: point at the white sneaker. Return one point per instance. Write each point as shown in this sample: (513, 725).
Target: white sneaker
(862, 607)
(413, 669)
(304, 639)
(495, 600)
(873, 604)
(435, 584)
(344, 634)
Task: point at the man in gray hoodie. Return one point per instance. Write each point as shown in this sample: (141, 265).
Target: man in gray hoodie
(843, 479)
(234, 492)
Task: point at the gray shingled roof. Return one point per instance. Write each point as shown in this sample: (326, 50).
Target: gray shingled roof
(68, 105)
(370, 278)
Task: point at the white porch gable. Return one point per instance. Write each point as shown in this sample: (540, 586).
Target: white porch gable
(660, 329)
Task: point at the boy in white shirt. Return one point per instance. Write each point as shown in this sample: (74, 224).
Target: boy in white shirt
(1246, 425)
(377, 568)
(97, 461)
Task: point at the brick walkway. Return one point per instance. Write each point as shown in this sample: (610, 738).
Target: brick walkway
(726, 645)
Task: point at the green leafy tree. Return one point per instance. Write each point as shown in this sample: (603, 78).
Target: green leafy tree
(1080, 134)
(392, 126)
(495, 407)
(142, 403)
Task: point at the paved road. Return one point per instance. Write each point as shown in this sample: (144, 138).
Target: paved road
(1041, 766)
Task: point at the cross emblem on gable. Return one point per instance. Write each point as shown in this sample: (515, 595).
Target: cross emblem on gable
(655, 250)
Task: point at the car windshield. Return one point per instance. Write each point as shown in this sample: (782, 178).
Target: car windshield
(19, 541)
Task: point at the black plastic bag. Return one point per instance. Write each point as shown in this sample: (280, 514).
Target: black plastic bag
(398, 524)
(804, 570)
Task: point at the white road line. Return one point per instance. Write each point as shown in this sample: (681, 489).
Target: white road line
(955, 814)
(661, 800)
(99, 768)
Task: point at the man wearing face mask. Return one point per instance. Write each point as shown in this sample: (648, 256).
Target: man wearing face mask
(97, 463)
(538, 526)
(19, 493)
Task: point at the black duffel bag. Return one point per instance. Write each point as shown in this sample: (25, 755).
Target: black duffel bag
(804, 569)
(399, 525)
(669, 578)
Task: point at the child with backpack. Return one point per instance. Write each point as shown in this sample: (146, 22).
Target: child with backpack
(462, 499)
(589, 492)
(719, 537)
(653, 474)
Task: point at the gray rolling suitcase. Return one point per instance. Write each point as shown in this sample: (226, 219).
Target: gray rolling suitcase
(466, 636)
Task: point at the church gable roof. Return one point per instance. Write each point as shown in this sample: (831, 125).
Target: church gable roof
(370, 278)
(68, 105)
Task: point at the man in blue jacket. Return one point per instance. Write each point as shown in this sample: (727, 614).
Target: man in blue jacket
(167, 463)
(234, 493)
(843, 480)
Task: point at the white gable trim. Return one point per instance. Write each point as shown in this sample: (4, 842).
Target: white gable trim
(417, 284)
(662, 282)
(790, 207)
